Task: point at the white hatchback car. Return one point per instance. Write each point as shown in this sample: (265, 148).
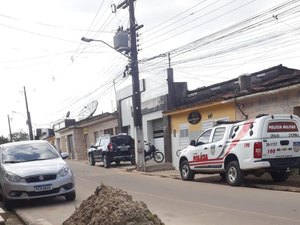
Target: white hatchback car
(34, 169)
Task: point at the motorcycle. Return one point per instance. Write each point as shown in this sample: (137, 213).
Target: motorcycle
(153, 153)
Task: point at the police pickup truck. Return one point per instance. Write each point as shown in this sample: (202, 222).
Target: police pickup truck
(269, 143)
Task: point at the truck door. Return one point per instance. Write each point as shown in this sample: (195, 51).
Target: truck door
(200, 153)
(216, 148)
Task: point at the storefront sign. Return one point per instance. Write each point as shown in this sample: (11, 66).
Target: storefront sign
(194, 117)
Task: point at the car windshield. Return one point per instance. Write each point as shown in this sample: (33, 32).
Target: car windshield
(28, 152)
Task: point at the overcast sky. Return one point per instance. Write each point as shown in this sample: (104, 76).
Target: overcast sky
(41, 49)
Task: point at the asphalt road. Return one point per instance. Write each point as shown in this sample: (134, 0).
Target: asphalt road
(176, 202)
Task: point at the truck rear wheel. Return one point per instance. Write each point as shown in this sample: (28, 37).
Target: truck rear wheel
(279, 176)
(185, 171)
(106, 161)
(234, 175)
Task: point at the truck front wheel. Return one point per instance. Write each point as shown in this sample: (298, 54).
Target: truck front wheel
(185, 171)
(234, 175)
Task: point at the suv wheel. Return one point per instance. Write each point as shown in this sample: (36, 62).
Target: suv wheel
(132, 159)
(106, 161)
(117, 162)
(234, 175)
(91, 159)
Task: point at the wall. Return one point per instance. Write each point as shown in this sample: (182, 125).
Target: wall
(79, 144)
(272, 102)
(148, 127)
(100, 127)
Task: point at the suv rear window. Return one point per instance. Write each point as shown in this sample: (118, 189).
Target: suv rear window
(122, 140)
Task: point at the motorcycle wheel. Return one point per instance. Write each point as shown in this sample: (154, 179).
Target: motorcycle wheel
(158, 157)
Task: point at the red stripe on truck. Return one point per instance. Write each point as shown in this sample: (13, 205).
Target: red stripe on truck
(239, 136)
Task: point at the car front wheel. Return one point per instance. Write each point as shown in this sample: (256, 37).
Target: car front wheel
(70, 196)
(91, 159)
(8, 204)
(185, 171)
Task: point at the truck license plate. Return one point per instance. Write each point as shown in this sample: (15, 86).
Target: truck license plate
(40, 188)
(296, 146)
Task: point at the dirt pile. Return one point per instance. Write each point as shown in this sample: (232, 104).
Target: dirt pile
(112, 206)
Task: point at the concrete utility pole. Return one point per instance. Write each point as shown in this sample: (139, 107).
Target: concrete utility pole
(28, 117)
(10, 134)
(136, 94)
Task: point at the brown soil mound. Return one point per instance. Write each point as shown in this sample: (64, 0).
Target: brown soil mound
(112, 206)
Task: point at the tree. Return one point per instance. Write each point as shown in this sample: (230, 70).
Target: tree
(20, 136)
(3, 140)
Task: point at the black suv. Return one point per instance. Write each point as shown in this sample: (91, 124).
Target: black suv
(108, 149)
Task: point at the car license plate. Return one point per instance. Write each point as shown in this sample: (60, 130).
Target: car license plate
(40, 188)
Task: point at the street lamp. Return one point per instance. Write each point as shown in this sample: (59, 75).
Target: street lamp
(20, 114)
(136, 94)
(90, 40)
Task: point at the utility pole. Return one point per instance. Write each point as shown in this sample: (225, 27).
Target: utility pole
(136, 94)
(10, 134)
(28, 117)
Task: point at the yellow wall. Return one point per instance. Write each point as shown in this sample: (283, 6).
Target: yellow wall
(208, 112)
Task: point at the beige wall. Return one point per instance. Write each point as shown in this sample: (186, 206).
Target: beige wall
(79, 144)
(272, 102)
(100, 127)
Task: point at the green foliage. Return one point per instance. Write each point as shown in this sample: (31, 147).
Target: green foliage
(20, 136)
(3, 140)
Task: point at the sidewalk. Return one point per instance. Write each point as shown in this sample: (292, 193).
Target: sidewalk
(292, 184)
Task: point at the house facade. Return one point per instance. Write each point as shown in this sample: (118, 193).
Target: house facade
(271, 91)
(153, 103)
(76, 137)
(172, 115)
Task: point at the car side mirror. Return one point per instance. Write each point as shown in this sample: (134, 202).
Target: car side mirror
(193, 143)
(64, 155)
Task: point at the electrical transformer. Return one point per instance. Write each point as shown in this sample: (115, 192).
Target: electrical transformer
(121, 41)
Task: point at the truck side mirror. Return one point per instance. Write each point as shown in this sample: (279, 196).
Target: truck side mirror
(193, 143)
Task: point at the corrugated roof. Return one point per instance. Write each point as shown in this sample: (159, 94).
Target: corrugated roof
(265, 80)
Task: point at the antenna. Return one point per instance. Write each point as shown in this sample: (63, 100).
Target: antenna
(88, 110)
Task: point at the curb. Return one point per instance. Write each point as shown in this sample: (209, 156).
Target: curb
(28, 220)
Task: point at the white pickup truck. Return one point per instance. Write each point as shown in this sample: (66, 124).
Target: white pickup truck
(269, 143)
